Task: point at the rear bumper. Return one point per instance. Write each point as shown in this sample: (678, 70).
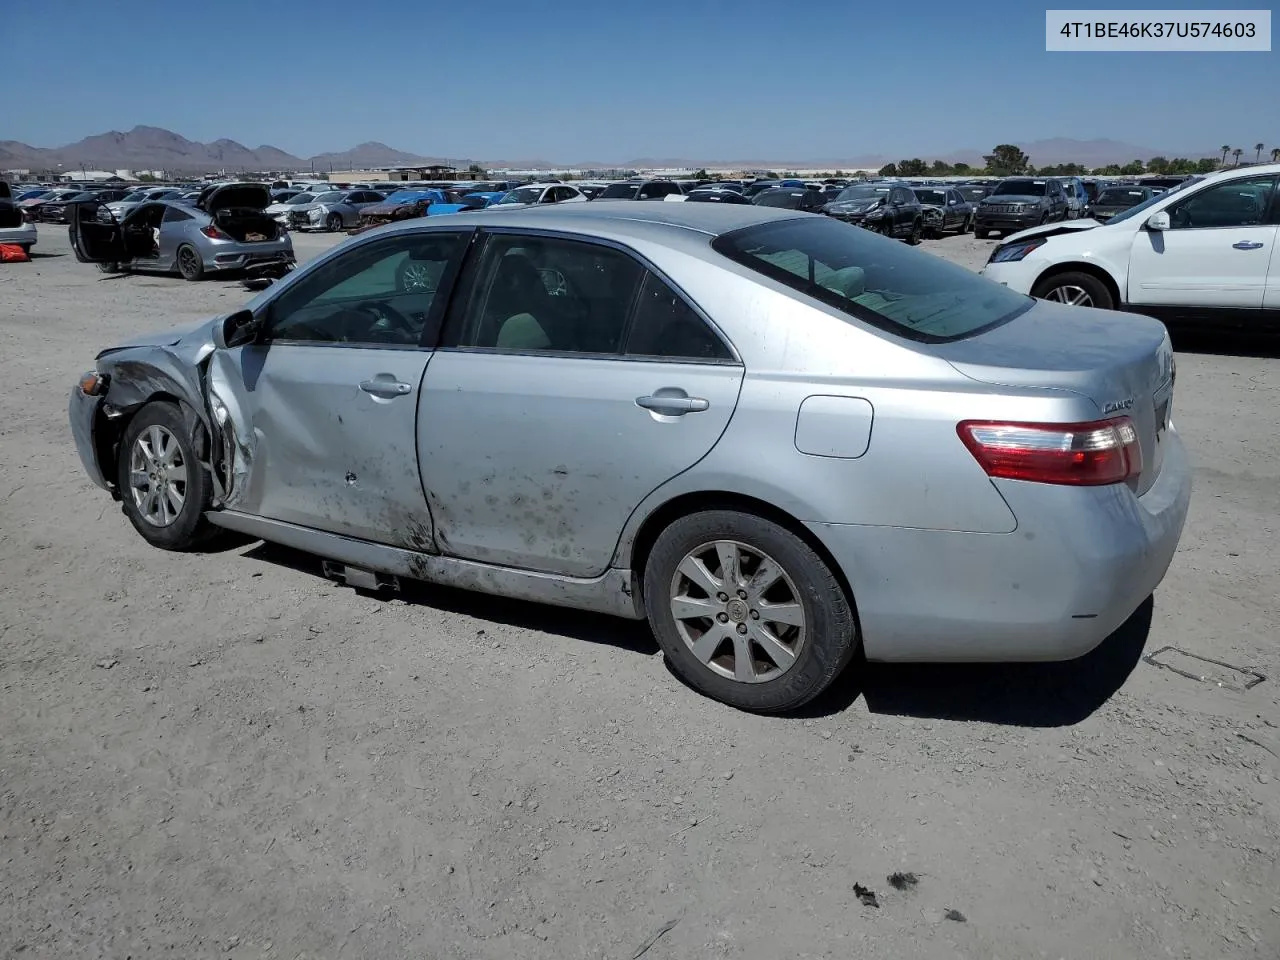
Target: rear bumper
(1080, 562)
(83, 414)
(24, 235)
(243, 256)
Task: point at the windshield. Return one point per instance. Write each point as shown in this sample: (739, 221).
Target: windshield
(863, 191)
(1118, 198)
(298, 199)
(1021, 188)
(523, 195)
(86, 195)
(936, 197)
(888, 285)
(790, 199)
(1138, 208)
(331, 197)
(136, 197)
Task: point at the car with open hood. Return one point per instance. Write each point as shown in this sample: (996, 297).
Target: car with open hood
(1200, 253)
(225, 229)
(14, 227)
(1020, 202)
(788, 444)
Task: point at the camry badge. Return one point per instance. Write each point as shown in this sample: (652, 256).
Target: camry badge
(1112, 406)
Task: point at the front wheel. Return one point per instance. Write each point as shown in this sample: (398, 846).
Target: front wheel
(746, 611)
(164, 489)
(1075, 289)
(111, 267)
(334, 223)
(917, 228)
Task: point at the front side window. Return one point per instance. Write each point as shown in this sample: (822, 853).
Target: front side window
(1240, 203)
(887, 285)
(619, 191)
(546, 294)
(382, 293)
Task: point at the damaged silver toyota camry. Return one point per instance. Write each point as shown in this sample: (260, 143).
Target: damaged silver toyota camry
(779, 438)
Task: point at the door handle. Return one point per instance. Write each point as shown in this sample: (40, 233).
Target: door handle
(1247, 245)
(385, 387)
(673, 404)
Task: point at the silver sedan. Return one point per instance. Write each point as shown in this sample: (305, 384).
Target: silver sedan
(778, 438)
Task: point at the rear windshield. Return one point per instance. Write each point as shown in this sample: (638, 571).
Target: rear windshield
(973, 193)
(868, 277)
(1118, 197)
(936, 197)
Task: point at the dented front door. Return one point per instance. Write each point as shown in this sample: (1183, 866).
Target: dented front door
(324, 405)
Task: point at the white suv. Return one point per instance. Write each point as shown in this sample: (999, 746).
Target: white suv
(1202, 251)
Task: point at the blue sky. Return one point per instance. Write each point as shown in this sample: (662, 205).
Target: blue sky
(578, 80)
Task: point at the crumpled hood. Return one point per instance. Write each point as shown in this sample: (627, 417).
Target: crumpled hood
(851, 206)
(187, 337)
(1051, 230)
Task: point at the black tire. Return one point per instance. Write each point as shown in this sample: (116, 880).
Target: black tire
(980, 233)
(189, 529)
(1097, 291)
(917, 228)
(111, 267)
(333, 223)
(887, 228)
(831, 638)
(190, 264)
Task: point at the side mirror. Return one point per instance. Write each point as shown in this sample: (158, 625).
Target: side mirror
(1158, 221)
(235, 330)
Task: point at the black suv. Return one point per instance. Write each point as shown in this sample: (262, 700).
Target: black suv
(1020, 202)
(880, 205)
(639, 190)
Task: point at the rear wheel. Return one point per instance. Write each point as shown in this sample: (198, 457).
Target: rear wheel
(917, 228)
(164, 490)
(189, 263)
(1076, 289)
(111, 267)
(746, 611)
(334, 223)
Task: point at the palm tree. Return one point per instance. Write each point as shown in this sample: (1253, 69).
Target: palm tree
(1275, 154)
(1225, 150)
(1236, 153)
(1257, 152)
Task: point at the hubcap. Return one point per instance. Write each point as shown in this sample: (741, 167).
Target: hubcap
(738, 611)
(1071, 294)
(157, 476)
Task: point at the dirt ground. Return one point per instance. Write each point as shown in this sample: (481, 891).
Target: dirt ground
(225, 755)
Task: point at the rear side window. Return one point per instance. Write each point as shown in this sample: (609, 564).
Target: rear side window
(879, 282)
(174, 215)
(665, 326)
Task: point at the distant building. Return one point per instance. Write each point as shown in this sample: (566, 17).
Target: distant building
(395, 174)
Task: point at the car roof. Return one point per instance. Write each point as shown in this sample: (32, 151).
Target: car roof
(684, 225)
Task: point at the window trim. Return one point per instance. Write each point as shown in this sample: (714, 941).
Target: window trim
(1270, 217)
(464, 291)
(439, 304)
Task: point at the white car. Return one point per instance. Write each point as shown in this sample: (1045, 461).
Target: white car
(536, 193)
(1202, 251)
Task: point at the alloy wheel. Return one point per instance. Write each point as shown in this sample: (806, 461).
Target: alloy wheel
(188, 262)
(738, 611)
(1070, 294)
(158, 476)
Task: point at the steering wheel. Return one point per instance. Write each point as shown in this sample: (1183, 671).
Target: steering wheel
(387, 318)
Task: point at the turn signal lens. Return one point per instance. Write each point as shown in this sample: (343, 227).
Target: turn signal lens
(94, 384)
(1073, 454)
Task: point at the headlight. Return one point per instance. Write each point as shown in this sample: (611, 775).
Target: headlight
(1015, 251)
(873, 212)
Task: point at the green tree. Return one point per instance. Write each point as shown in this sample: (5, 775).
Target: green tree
(839, 173)
(1007, 160)
(912, 168)
(477, 172)
(939, 168)
(146, 178)
(961, 167)
(1236, 153)
(889, 170)
(701, 174)
(1133, 168)
(1257, 152)
(1206, 165)
(1225, 150)
(1158, 165)
(1275, 154)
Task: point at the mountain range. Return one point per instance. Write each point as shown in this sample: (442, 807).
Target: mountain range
(148, 148)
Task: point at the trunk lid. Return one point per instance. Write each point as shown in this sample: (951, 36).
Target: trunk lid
(225, 196)
(1122, 362)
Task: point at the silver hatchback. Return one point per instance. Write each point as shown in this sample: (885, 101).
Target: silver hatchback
(779, 438)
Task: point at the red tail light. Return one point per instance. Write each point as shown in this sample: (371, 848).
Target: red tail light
(1074, 454)
(213, 233)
